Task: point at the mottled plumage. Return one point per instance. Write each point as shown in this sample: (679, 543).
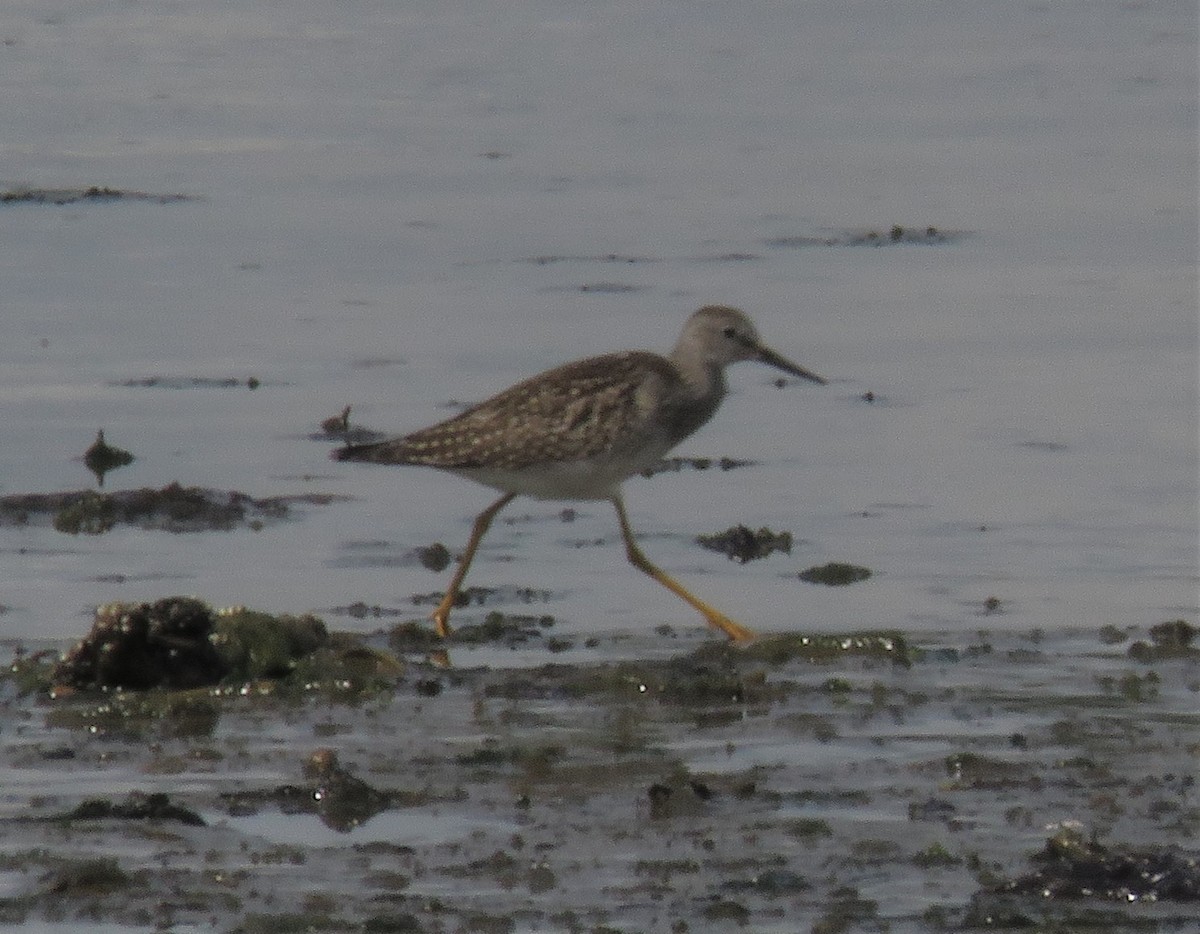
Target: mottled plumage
(611, 416)
(577, 431)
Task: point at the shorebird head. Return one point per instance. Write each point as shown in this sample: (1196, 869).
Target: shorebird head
(721, 335)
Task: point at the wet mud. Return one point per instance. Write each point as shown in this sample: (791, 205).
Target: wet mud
(875, 781)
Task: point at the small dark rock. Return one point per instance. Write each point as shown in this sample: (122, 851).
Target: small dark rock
(88, 878)
(343, 800)
(340, 799)
(403, 923)
(932, 809)
(773, 883)
(428, 687)
(414, 636)
(835, 574)
(435, 557)
(726, 910)
(701, 790)
(337, 425)
(137, 806)
(508, 628)
(102, 457)
(660, 799)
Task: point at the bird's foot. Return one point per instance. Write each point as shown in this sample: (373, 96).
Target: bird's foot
(736, 632)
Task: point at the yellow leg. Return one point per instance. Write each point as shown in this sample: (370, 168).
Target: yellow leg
(715, 618)
(441, 616)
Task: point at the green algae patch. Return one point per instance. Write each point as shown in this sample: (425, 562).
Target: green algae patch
(254, 645)
(136, 715)
(835, 574)
(88, 514)
(507, 628)
(971, 770)
(31, 672)
(165, 668)
(935, 856)
(293, 657)
(716, 675)
(344, 670)
(806, 829)
(690, 681)
(884, 645)
(414, 636)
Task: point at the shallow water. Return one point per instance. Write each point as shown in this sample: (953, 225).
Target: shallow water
(406, 208)
(374, 189)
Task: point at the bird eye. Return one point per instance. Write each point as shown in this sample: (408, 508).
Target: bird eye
(730, 332)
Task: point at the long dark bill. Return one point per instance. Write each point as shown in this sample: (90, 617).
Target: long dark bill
(770, 357)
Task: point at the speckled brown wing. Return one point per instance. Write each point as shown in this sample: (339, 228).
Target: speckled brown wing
(575, 412)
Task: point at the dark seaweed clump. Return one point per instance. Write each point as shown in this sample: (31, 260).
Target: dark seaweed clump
(897, 233)
(742, 544)
(1167, 640)
(676, 464)
(1073, 867)
(95, 194)
(179, 643)
(174, 508)
(102, 457)
(137, 805)
(338, 797)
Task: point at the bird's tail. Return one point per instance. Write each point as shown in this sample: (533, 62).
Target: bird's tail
(378, 452)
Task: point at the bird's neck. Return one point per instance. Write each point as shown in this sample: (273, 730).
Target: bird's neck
(704, 377)
(703, 382)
